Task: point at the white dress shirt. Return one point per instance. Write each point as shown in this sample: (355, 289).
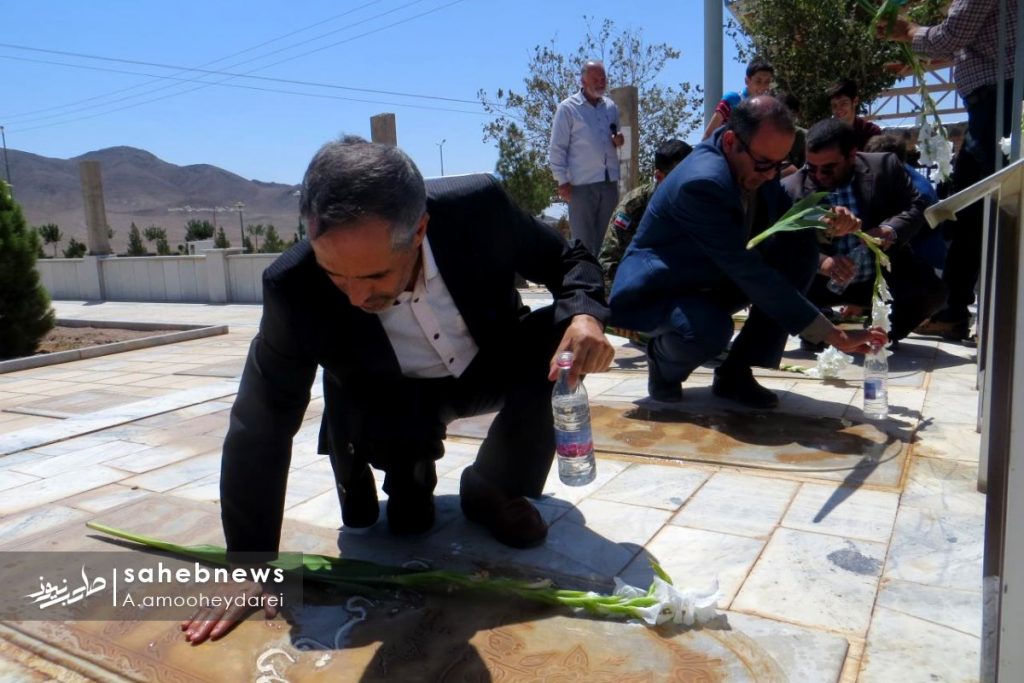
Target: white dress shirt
(426, 330)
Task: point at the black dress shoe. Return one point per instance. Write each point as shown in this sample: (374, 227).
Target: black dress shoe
(740, 386)
(359, 506)
(512, 521)
(411, 513)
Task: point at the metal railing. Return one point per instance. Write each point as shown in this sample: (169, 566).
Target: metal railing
(1000, 413)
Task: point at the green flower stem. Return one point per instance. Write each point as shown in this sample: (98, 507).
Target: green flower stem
(357, 575)
(886, 13)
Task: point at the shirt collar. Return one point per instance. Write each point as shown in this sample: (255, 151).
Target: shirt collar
(429, 264)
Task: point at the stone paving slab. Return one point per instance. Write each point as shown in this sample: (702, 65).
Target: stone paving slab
(831, 448)
(411, 636)
(922, 614)
(117, 415)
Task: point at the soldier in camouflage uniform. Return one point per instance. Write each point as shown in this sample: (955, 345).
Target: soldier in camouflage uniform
(626, 219)
(626, 216)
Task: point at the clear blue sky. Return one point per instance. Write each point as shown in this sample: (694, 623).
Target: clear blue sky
(451, 50)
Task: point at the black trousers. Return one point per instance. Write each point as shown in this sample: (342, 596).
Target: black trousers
(399, 426)
(917, 292)
(975, 161)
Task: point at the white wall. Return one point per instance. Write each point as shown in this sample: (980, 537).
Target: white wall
(245, 277)
(64, 278)
(155, 278)
(182, 279)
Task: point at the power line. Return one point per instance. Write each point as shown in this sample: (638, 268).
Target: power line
(228, 85)
(221, 59)
(231, 75)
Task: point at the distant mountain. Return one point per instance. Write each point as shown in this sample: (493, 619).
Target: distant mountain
(140, 187)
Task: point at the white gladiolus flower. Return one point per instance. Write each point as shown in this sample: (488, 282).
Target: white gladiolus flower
(935, 148)
(831, 362)
(687, 606)
(880, 312)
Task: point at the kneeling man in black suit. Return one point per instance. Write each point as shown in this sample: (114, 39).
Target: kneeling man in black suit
(405, 295)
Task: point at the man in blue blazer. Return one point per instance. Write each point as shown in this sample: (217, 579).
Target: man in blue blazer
(688, 269)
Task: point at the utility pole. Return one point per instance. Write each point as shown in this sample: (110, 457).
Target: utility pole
(241, 228)
(7, 165)
(440, 148)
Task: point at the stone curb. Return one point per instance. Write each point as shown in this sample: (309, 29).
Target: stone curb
(183, 333)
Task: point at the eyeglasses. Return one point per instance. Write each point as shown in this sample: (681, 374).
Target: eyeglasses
(762, 165)
(823, 169)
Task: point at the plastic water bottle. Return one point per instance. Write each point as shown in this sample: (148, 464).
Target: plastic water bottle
(876, 373)
(574, 441)
(836, 286)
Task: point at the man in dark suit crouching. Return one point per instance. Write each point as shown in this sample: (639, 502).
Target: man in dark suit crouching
(414, 327)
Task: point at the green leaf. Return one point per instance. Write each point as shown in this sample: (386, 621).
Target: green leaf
(804, 214)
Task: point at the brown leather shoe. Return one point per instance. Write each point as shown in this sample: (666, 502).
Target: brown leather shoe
(512, 521)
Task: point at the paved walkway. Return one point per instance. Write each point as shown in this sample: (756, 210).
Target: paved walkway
(865, 571)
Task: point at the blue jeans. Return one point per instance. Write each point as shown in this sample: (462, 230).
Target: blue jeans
(700, 325)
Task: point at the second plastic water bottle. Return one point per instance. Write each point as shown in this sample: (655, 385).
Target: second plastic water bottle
(574, 442)
(876, 374)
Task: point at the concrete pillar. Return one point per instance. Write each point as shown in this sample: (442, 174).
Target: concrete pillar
(95, 210)
(627, 100)
(218, 277)
(383, 129)
(713, 28)
(91, 280)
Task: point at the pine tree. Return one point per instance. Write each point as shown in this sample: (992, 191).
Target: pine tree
(25, 313)
(221, 241)
(135, 245)
(272, 242)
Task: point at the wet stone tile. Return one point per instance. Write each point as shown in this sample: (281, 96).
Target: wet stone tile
(814, 579)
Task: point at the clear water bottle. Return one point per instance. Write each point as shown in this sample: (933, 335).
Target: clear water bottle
(876, 373)
(836, 286)
(574, 441)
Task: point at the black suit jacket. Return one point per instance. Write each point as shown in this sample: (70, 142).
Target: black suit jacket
(480, 240)
(884, 190)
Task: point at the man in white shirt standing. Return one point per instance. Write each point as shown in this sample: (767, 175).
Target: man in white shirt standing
(583, 156)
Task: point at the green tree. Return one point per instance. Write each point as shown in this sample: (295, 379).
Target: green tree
(247, 246)
(25, 313)
(523, 119)
(221, 241)
(814, 43)
(51, 234)
(524, 172)
(135, 245)
(75, 249)
(198, 230)
(255, 232)
(155, 233)
(272, 242)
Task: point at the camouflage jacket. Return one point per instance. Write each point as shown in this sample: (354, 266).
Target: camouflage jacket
(624, 222)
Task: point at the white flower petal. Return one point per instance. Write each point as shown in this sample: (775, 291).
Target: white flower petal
(627, 591)
(831, 362)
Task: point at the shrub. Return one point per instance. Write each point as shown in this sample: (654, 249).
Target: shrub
(25, 313)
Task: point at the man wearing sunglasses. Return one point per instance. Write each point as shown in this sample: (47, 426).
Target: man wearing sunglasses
(878, 189)
(688, 269)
